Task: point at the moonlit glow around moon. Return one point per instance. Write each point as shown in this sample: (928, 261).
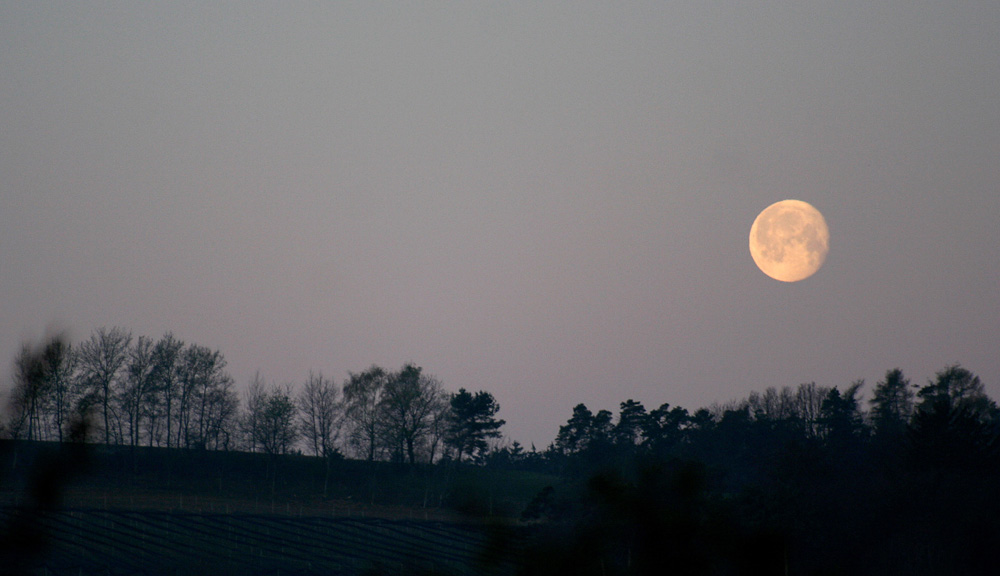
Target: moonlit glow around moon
(789, 240)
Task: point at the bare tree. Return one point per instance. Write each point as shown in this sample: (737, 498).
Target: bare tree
(136, 389)
(798, 407)
(320, 413)
(773, 404)
(206, 396)
(408, 405)
(137, 386)
(42, 397)
(102, 361)
(253, 410)
(166, 377)
(437, 434)
(59, 365)
(362, 403)
(28, 394)
(269, 419)
(320, 419)
(809, 401)
(221, 417)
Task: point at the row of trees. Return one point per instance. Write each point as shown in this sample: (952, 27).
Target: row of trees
(401, 416)
(135, 391)
(783, 481)
(807, 412)
(141, 392)
(898, 412)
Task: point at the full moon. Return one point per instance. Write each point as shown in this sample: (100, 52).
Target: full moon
(789, 240)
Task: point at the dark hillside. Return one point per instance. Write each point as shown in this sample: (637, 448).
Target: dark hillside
(164, 543)
(94, 509)
(123, 478)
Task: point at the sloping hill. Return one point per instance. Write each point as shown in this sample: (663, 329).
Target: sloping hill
(84, 509)
(119, 477)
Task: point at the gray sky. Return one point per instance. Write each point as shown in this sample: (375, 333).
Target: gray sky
(548, 201)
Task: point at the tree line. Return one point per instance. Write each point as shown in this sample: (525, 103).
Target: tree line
(798, 479)
(166, 393)
(137, 391)
(807, 479)
(897, 411)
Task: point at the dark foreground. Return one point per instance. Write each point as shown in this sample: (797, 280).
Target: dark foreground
(91, 542)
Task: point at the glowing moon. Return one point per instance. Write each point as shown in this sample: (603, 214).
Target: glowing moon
(789, 240)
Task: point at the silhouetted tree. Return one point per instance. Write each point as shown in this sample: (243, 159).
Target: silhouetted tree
(808, 403)
(362, 401)
(471, 422)
(956, 389)
(840, 416)
(162, 406)
(586, 440)
(955, 421)
(219, 421)
(28, 395)
(702, 421)
(42, 398)
(665, 428)
(410, 400)
(633, 423)
(270, 417)
(891, 405)
(101, 361)
(773, 405)
(136, 394)
(952, 474)
(320, 414)
(60, 372)
(208, 403)
(437, 433)
(575, 435)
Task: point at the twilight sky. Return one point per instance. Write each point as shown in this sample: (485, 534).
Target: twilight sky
(548, 201)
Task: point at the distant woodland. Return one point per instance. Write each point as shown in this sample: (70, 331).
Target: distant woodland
(797, 480)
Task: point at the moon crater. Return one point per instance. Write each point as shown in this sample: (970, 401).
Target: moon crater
(789, 240)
